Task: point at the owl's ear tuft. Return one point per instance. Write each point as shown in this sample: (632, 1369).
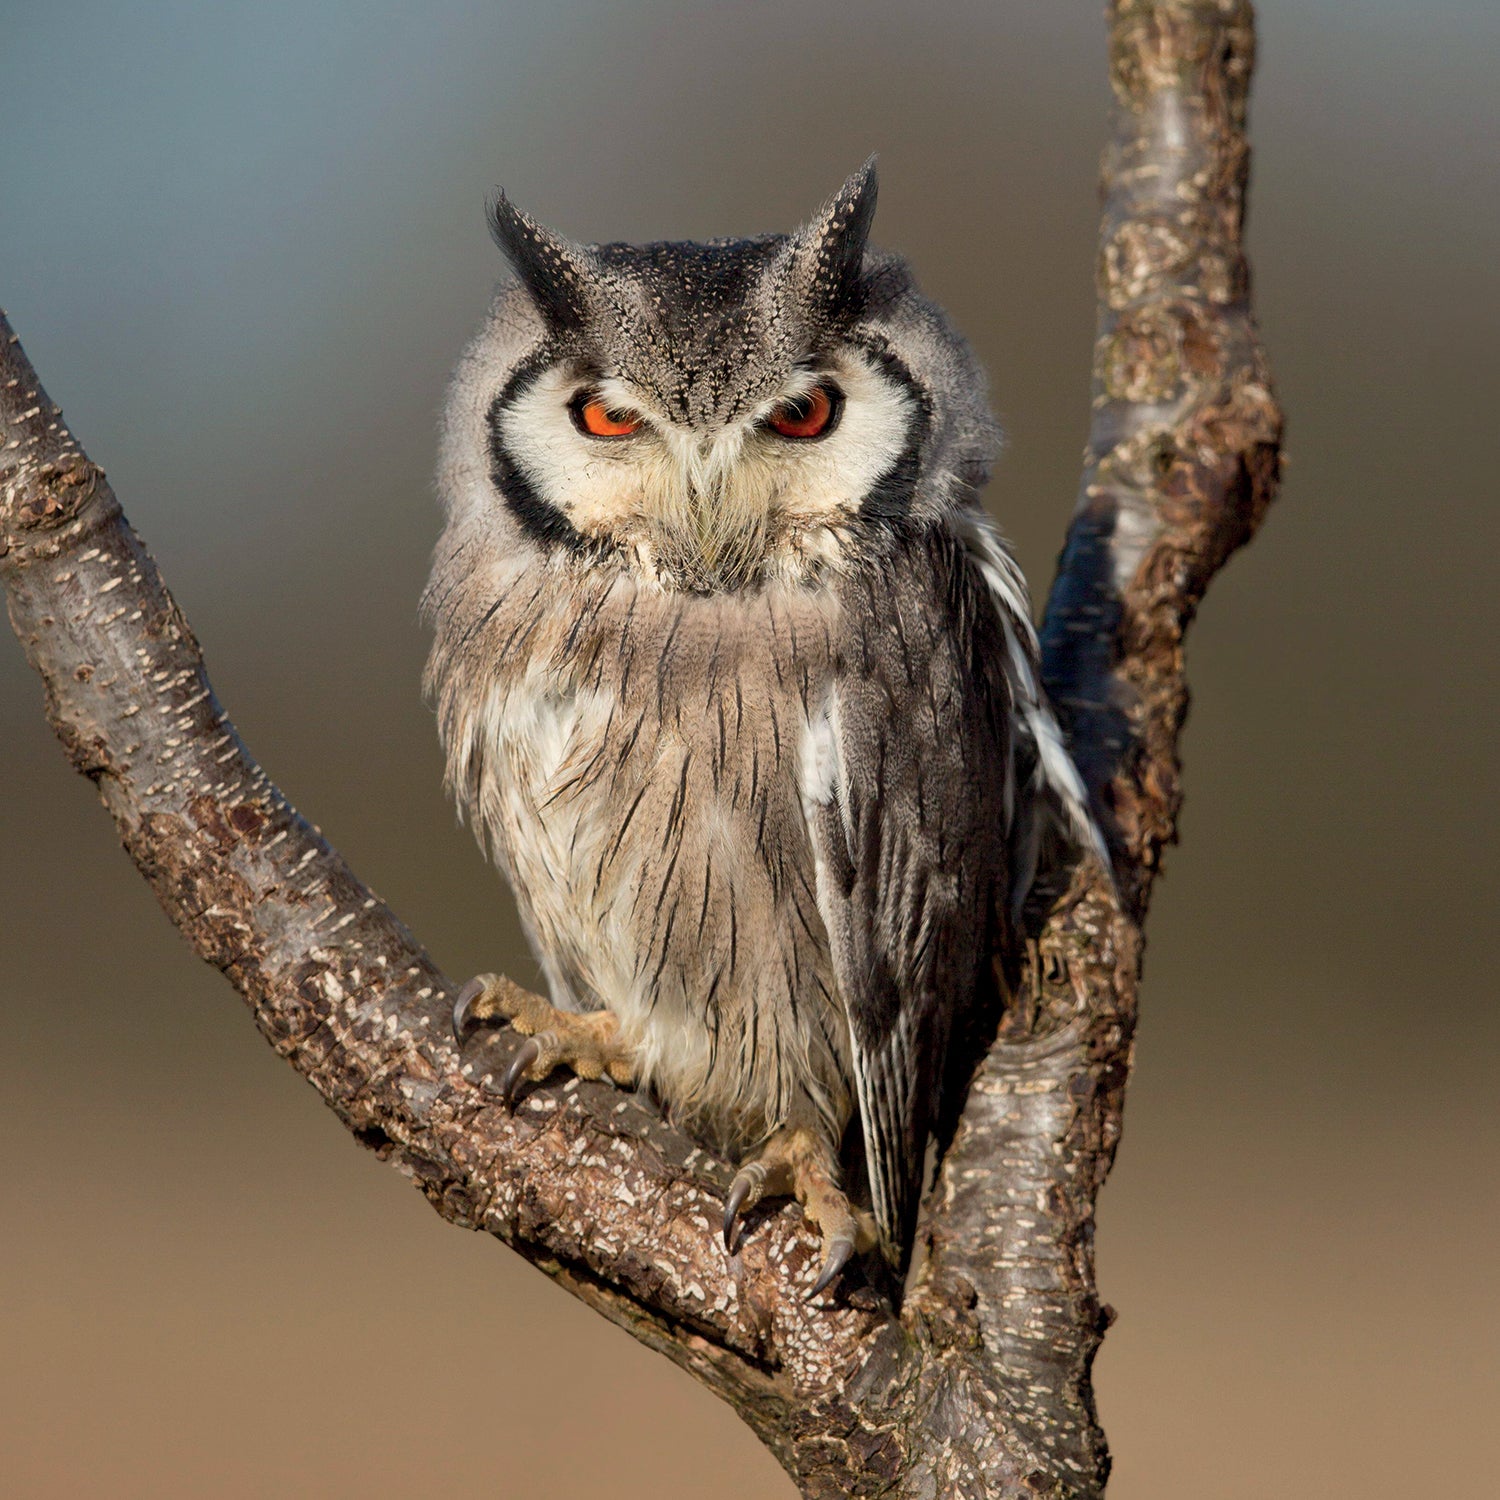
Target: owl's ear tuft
(554, 270)
(832, 247)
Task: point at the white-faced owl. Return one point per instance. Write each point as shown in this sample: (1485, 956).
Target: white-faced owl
(738, 685)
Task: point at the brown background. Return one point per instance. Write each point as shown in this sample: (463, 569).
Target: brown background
(243, 250)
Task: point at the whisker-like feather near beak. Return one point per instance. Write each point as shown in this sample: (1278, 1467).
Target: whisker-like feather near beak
(709, 505)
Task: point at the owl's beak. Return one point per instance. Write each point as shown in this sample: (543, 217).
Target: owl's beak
(716, 521)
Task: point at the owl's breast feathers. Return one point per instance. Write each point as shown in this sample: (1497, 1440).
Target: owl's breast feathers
(768, 829)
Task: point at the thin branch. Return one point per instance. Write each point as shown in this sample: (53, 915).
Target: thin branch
(981, 1386)
(1184, 447)
(1183, 458)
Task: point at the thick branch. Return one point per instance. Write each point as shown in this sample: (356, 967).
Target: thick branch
(586, 1182)
(981, 1386)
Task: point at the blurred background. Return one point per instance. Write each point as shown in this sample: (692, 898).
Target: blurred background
(244, 245)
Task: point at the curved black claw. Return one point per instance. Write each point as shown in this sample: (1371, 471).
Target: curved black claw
(463, 1024)
(739, 1190)
(839, 1252)
(526, 1054)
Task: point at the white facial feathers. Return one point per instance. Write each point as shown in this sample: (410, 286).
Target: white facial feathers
(713, 506)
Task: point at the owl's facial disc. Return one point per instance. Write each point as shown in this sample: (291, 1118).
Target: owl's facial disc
(705, 507)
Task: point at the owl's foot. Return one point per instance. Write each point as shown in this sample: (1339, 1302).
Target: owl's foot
(587, 1045)
(798, 1162)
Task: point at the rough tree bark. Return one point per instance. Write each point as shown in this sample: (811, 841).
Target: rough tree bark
(980, 1386)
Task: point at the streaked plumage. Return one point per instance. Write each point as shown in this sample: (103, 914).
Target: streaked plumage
(750, 722)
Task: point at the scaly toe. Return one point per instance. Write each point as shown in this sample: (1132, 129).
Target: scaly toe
(587, 1042)
(799, 1160)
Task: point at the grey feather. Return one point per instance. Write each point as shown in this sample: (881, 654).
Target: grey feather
(913, 840)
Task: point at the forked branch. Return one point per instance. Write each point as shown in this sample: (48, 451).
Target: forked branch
(981, 1385)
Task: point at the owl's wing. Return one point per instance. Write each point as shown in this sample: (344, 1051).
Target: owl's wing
(905, 790)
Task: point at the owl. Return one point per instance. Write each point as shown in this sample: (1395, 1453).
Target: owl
(738, 685)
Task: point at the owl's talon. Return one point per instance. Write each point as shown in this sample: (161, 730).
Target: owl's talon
(839, 1250)
(744, 1192)
(463, 1021)
(737, 1191)
(526, 1055)
(486, 1000)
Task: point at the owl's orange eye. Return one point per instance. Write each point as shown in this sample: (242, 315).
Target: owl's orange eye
(592, 416)
(808, 416)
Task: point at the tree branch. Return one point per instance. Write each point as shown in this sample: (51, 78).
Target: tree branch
(1183, 457)
(981, 1385)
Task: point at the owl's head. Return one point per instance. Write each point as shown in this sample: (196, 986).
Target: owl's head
(713, 416)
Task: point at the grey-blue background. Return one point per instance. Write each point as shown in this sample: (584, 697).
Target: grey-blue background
(243, 245)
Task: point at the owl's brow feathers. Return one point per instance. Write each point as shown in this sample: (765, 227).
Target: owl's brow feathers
(706, 328)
